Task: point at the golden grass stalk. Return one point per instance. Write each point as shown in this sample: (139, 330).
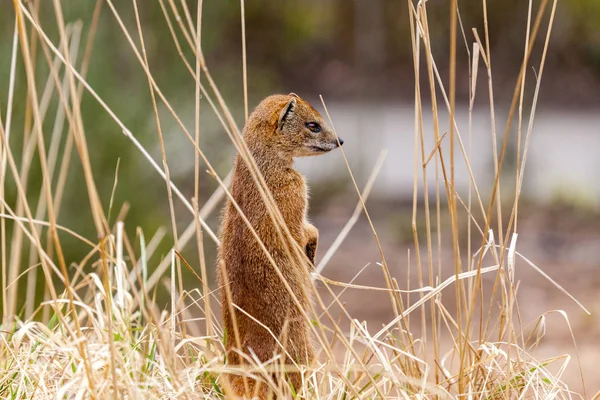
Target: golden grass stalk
(106, 336)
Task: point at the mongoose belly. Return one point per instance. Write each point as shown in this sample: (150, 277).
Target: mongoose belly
(257, 288)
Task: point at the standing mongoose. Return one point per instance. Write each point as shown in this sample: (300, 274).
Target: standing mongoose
(280, 128)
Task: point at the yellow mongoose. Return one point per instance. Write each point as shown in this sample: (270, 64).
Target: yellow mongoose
(280, 128)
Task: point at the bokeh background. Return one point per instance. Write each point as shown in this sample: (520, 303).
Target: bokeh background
(358, 56)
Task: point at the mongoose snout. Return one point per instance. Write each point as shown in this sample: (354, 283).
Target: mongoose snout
(325, 147)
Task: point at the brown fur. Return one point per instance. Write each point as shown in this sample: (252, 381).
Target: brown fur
(275, 133)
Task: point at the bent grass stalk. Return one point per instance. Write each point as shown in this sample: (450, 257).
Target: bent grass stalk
(106, 321)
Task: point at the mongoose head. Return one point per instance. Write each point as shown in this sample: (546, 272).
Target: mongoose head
(292, 127)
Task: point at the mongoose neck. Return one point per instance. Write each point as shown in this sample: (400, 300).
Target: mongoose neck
(271, 162)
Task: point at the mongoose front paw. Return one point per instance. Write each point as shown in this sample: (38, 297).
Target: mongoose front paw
(312, 241)
(311, 251)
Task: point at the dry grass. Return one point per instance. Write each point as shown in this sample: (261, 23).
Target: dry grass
(100, 334)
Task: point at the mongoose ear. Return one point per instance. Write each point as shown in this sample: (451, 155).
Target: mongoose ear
(286, 112)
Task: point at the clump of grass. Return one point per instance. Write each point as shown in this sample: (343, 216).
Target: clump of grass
(100, 333)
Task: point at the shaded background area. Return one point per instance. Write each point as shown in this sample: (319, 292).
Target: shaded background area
(357, 54)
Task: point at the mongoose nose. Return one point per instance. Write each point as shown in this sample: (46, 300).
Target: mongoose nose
(341, 141)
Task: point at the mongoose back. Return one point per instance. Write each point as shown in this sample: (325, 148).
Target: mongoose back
(280, 128)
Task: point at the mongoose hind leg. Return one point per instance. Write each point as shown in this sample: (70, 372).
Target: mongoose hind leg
(256, 390)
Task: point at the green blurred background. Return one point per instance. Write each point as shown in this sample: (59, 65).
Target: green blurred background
(355, 52)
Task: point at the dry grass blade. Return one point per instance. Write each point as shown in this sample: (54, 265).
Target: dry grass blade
(100, 332)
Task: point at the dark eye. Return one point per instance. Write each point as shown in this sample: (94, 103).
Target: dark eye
(313, 127)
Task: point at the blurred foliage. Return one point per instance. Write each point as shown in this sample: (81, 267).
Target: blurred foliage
(340, 48)
(584, 35)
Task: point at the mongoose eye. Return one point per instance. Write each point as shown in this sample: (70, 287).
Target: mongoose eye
(313, 127)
